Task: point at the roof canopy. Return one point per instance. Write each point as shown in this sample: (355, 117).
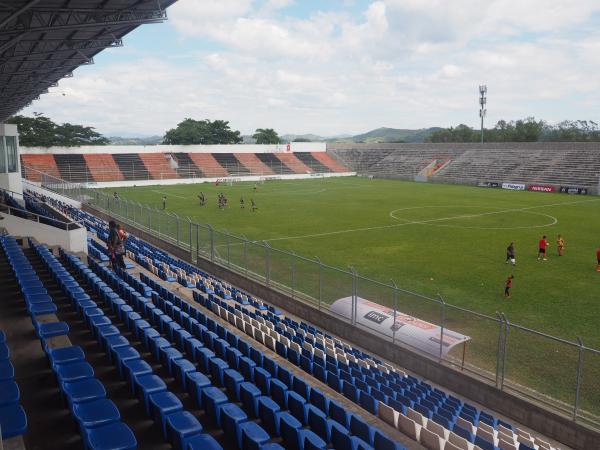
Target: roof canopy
(42, 41)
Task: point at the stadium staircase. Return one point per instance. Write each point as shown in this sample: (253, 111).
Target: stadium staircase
(253, 164)
(158, 166)
(313, 163)
(131, 166)
(187, 168)
(208, 164)
(103, 167)
(329, 161)
(293, 163)
(274, 163)
(43, 163)
(72, 167)
(231, 163)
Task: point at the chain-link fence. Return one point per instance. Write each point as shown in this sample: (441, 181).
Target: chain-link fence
(563, 374)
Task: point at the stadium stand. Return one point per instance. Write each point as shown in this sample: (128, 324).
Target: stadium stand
(13, 421)
(73, 167)
(327, 160)
(274, 163)
(254, 164)
(103, 167)
(187, 167)
(208, 164)
(296, 165)
(131, 166)
(158, 166)
(428, 414)
(545, 163)
(313, 163)
(229, 162)
(44, 163)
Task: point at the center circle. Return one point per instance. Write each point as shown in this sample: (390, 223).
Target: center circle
(436, 221)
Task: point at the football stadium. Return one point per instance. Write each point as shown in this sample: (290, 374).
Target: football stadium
(306, 294)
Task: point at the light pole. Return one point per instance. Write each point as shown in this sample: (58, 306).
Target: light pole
(482, 104)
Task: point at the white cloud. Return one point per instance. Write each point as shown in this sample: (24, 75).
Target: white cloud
(402, 63)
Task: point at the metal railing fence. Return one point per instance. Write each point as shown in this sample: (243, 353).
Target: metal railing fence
(563, 374)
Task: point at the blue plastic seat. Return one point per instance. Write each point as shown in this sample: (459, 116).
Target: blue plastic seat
(76, 371)
(217, 367)
(123, 354)
(7, 371)
(249, 394)
(9, 393)
(289, 428)
(297, 406)
(203, 442)
(362, 429)
(115, 436)
(145, 385)
(96, 413)
(278, 392)
(204, 355)
(339, 414)
(317, 421)
(253, 436)
(66, 355)
(168, 356)
(161, 405)
(261, 379)
(382, 442)
(310, 441)
(52, 329)
(268, 412)
(181, 367)
(213, 398)
(232, 417)
(84, 391)
(232, 380)
(181, 426)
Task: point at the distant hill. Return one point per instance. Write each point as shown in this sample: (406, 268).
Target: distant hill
(379, 135)
(389, 135)
(151, 140)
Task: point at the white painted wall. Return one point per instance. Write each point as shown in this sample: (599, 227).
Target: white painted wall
(11, 181)
(170, 182)
(237, 148)
(35, 187)
(73, 241)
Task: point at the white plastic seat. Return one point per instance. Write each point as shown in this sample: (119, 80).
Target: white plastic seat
(388, 414)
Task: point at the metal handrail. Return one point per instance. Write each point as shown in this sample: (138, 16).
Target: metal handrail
(37, 216)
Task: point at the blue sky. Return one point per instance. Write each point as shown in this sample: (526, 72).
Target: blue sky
(341, 66)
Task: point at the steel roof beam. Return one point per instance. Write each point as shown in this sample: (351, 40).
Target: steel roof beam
(18, 12)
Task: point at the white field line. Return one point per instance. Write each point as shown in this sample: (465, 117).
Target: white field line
(417, 222)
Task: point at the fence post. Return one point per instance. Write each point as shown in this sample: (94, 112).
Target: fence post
(320, 281)
(228, 252)
(354, 299)
(149, 219)
(158, 227)
(267, 263)
(190, 239)
(245, 254)
(395, 287)
(578, 383)
(443, 321)
(499, 353)
(212, 243)
(293, 269)
(504, 351)
(178, 224)
(197, 242)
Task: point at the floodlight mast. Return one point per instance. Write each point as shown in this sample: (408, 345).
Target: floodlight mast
(482, 104)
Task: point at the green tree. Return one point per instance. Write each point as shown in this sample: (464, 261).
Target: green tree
(462, 133)
(266, 136)
(202, 132)
(301, 139)
(40, 131)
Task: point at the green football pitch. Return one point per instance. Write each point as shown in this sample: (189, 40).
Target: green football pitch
(435, 240)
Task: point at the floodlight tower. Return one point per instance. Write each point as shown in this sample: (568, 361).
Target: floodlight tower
(482, 104)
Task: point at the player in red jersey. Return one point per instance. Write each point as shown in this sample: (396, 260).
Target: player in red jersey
(509, 283)
(598, 258)
(542, 248)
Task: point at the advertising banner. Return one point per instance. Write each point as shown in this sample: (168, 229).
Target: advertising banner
(541, 188)
(417, 333)
(488, 184)
(573, 190)
(513, 186)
